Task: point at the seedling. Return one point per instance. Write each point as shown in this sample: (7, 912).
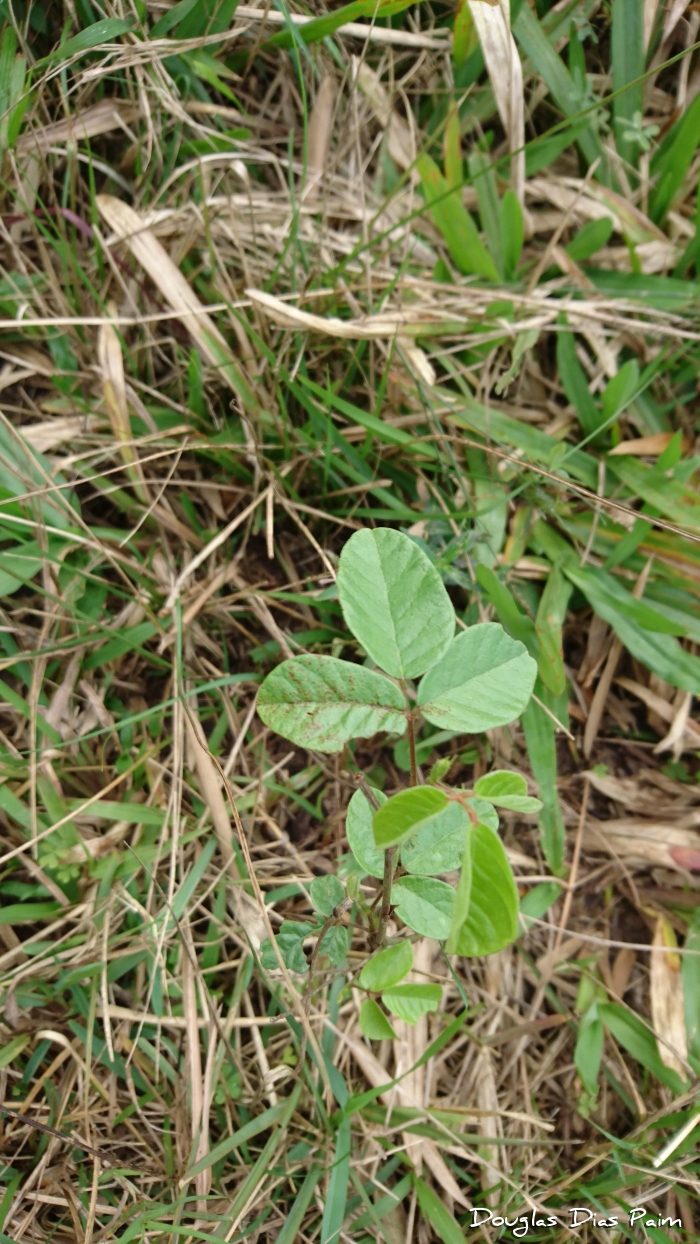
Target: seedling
(396, 606)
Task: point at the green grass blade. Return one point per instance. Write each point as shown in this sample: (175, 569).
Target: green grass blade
(336, 1200)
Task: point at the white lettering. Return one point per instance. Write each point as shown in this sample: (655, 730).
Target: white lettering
(636, 1214)
(574, 1215)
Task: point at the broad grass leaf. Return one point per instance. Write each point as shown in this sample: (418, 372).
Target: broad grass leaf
(322, 702)
(589, 239)
(93, 36)
(672, 161)
(539, 899)
(326, 893)
(627, 53)
(406, 813)
(425, 905)
(438, 846)
(575, 384)
(659, 652)
(551, 614)
(409, 1002)
(484, 680)
(454, 222)
(358, 831)
(540, 739)
(512, 233)
(437, 1214)
(631, 1033)
(620, 390)
(387, 968)
(394, 601)
(589, 1049)
(492, 918)
(336, 1196)
(373, 1022)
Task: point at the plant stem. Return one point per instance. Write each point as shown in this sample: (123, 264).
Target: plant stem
(412, 751)
(389, 866)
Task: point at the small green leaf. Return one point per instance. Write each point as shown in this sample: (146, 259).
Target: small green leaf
(335, 944)
(358, 831)
(322, 702)
(437, 847)
(290, 942)
(485, 812)
(492, 918)
(575, 384)
(632, 1034)
(484, 680)
(409, 1002)
(441, 768)
(539, 899)
(394, 601)
(591, 238)
(512, 233)
(406, 813)
(373, 1022)
(326, 893)
(91, 37)
(387, 968)
(424, 904)
(506, 790)
(13, 1049)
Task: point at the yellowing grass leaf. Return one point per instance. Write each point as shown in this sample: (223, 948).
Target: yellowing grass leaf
(145, 247)
(492, 21)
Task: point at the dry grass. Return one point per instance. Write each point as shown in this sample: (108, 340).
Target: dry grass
(232, 334)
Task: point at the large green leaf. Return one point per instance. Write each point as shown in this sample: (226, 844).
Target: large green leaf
(453, 221)
(406, 813)
(484, 680)
(394, 601)
(387, 968)
(326, 892)
(321, 702)
(409, 1002)
(358, 831)
(492, 919)
(424, 904)
(438, 846)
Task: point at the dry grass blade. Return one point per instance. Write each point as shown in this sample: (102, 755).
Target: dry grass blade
(666, 995)
(492, 21)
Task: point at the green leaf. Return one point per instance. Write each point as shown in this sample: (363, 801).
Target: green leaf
(591, 238)
(358, 831)
(437, 1214)
(627, 54)
(506, 790)
(551, 614)
(589, 1049)
(659, 652)
(13, 1049)
(620, 390)
(336, 1196)
(27, 913)
(512, 233)
(336, 944)
(484, 680)
(394, 601)
(409, 1002)
(540, 738)
(406, 813)
(539, 899)
(321, 27)
(454, 222)
(463, 895)
(484, 181)
(631, 1033)
(673, 159)
(549, 65)
(322, 702)
(485, 812)
(690, 975)
(438, 846)
(290, 941)
(575, 384)
(492, 919)
(91, 37)
(326, 893)
(425, 905)
(387, 968)
(373, 1022)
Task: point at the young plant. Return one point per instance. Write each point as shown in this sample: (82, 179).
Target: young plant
(396, 606)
